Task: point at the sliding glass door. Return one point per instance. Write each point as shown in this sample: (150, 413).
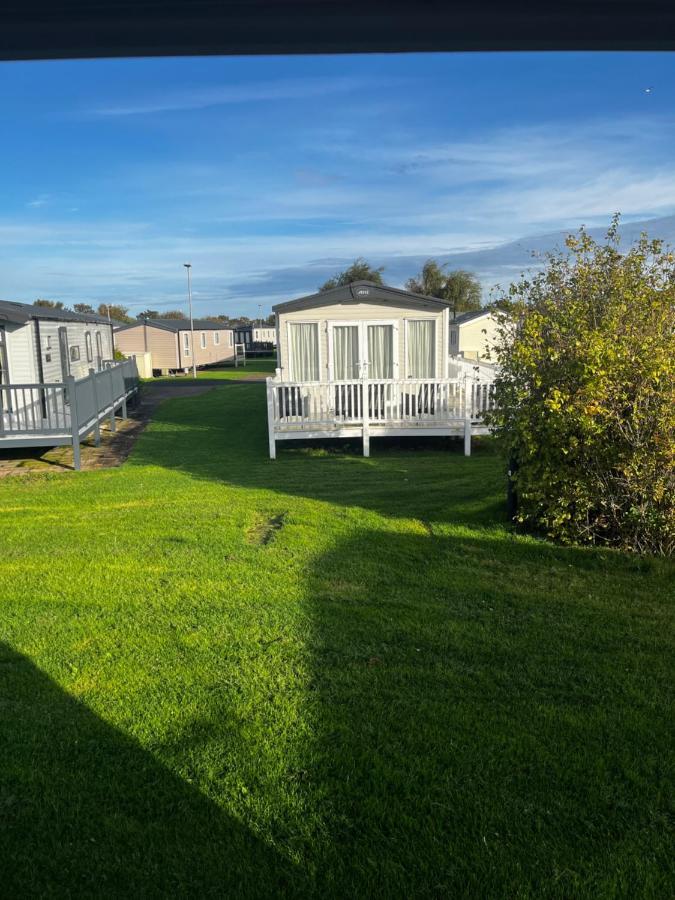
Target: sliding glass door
(355, 345)
(346, 355)
(380, 351)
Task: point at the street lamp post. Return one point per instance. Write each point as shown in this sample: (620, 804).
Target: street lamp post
(188, 266)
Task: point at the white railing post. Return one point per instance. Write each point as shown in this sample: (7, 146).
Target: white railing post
(467, 418)
(74, 422)
(365, 410)
(97, 426)
(270, 418)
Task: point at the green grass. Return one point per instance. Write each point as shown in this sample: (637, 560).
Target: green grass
(253, 367)
(324, 675)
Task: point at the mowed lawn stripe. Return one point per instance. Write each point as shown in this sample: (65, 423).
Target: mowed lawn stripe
(322, 674)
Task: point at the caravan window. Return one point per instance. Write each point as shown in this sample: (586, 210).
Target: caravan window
(216, 337)
(74, 353)
(186, 343)
(203, 340)
(421, 355)
(90, 352)
(303, 341)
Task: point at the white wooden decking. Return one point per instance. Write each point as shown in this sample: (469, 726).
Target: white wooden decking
(50, 415)
(378, 408)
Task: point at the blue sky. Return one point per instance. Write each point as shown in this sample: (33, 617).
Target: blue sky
(270, 173)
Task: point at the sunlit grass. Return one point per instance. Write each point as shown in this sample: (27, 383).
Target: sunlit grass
(227, 676)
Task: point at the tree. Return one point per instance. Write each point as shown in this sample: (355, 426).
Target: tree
(49, 304)
(172, 314)
(585, 398)
(360, 270)
(459, 288)
(148, 314)
(83, 308)
(224, 320)
(115, 311)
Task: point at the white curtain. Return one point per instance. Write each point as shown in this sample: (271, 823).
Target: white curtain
(345, 352)
(304, 341)
(381, 351)
(421, 349)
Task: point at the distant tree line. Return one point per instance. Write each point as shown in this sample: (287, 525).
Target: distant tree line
(460, 289)
(108, 310)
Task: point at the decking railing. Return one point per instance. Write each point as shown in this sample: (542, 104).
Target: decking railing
(371, 407)
(65, 412)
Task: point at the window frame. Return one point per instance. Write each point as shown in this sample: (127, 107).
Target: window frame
(216, 338)
(316, 322)
(202, 340)
(186, 344)
(88, 347)
(406, 339)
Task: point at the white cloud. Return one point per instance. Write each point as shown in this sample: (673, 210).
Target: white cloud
(386, 200)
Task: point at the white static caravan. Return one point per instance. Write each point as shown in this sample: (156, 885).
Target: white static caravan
(58, 379)
(255, 336)
(338, 335)
(473, 335)
(371, 360)
(43, 345)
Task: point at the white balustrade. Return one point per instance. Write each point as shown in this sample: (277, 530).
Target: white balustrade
(317, 409)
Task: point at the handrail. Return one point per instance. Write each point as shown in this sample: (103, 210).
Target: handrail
(65, 411)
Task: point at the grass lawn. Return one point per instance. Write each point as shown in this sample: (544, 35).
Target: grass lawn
(324, 675)
(253, 367)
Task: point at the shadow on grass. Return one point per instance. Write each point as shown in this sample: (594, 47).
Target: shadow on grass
(222, 436)
(85, 811)
(494, 721)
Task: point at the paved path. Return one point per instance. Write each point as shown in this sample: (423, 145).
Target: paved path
(115, 446)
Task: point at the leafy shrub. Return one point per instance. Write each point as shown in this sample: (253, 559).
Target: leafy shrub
(586, 395)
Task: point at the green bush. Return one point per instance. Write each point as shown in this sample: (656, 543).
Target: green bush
(585, 402)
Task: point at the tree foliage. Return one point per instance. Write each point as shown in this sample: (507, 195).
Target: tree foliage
(459, 288)
(586, 394)
(83, 308)
(148, 314)
(115, 311)
(49, 304)
(360, 270)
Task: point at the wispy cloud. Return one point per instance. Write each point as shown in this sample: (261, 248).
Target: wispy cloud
(247, 92)
(40, 200)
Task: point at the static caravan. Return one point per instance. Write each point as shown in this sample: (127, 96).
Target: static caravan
(58, 379)
(473, 334)
(169, 341)
(256, 337)
(370, 360)
(340, 334)
(43, 345)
